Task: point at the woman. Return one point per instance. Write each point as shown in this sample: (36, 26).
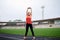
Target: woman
(29, 22)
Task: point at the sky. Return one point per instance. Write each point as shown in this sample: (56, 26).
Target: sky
(16, 9)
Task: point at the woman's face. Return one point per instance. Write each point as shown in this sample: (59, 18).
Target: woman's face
(28, 13)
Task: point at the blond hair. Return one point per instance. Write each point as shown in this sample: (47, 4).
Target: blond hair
(29, 13)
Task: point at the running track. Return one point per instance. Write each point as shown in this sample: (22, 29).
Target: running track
(20, 37)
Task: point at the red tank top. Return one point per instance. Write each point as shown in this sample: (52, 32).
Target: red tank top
(28, 20)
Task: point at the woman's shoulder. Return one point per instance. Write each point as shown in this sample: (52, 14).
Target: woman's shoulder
(28, 16)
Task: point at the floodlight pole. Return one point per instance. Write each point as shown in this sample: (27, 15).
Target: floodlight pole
(42, 12)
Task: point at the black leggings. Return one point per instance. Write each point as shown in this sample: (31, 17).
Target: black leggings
(31, 28)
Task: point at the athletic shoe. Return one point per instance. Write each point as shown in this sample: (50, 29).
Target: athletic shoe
(24, 38)
(33, 38)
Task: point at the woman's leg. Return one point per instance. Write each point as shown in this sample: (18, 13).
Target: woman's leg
(31, 27)
(27, 27)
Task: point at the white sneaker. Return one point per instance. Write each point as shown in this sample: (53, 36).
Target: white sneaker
(24, 38)
(33, 38)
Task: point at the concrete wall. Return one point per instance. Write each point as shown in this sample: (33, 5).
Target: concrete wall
(35, 26)
(47, 26)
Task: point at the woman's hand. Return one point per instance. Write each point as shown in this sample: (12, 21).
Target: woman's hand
(29, 9)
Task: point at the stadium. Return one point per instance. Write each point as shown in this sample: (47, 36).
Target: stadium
(42, 28)
(42, 16)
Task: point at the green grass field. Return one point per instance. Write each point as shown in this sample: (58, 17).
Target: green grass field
(44, 32)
